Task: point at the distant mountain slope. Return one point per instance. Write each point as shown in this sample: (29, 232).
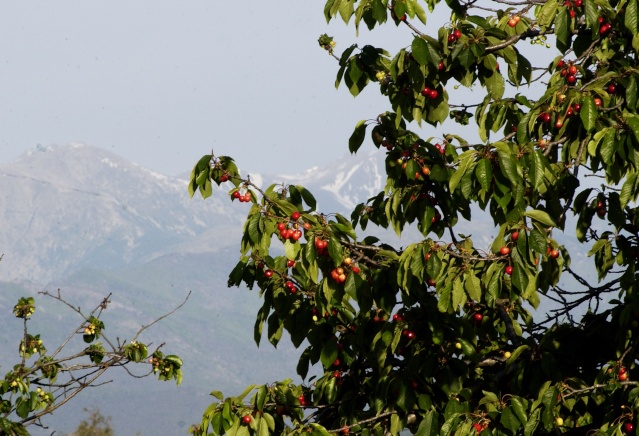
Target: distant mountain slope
(77, 206)
(70, 207)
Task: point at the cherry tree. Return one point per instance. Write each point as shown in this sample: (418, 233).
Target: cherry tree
(443, 335)
(44, 379)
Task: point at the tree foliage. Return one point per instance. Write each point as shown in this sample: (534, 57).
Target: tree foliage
(44, 379)
(442, 336)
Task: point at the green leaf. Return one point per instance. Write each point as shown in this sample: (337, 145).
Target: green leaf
(541, 217)
(592, 15)
(429, 425)
(329, 353)
(547, 13)
(357, 138)
(630, 17)
(588, 113)
(420, 50)
(562, 30)
(465, 162)
(472, 284)
(484, 173)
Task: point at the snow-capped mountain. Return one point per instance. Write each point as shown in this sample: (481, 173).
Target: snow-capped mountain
(78, 206)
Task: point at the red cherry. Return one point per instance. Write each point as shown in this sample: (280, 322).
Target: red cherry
(554, 253)
(545, 117)
(246, 419)
(559, 123)
(504, 251)
(295, 216)
(290, 263)
(623, 377)
(508, 270)
(441, 66)
(478, 317)
(433, 94)
(514, 236)
(236, 194)
(224, 177)
(268, 273)
(612, 88)
(572, 13)
(572, 70)
(410, 334)
(451, 38)
(579, 3)
(601, 212)
(307, 226)
(597, 102)
(512, 22)
(629, 427)
(336, 362)
(457, 33)
(571, 78)
(600, 20)
(281, 226)
(577, 107)
(297, 234)
(560, 63)
(355, 270)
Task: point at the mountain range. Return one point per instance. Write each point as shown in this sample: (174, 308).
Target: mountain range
(87, 222)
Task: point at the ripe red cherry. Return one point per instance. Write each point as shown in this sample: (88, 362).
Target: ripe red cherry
(433, 94)
(426, 91)
(514, 236)
(571, 78)
(281, 226)
(451, 38)
(295, 216)
(601, 212)
(508, 270)
(297, 234)
(236, 194)
(268, 273)
(612, 88)
(336, 362)
(307, 226)
(246, 419)
(409, 334)
(504, 251)
(457, 33)
(441, 66)
(478, 317)
(224, 177)
(559, 123)
(290, 263)
(572, 70)
(629, 427)
(478, 428)
(604, 29)
(545, 117)
(554, 253)
(577, 107)
(579, 3)
(597, 102)
(560, 63)
(512, 22)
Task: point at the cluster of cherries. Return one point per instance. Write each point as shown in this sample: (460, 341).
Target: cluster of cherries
(244, 198)
(571, 5)
(454, 35)
(293, 232)
(569, 71)
(407, 333)
(431, 93)
(339, 274)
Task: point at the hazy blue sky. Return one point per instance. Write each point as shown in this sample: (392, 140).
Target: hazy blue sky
(161, 82)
